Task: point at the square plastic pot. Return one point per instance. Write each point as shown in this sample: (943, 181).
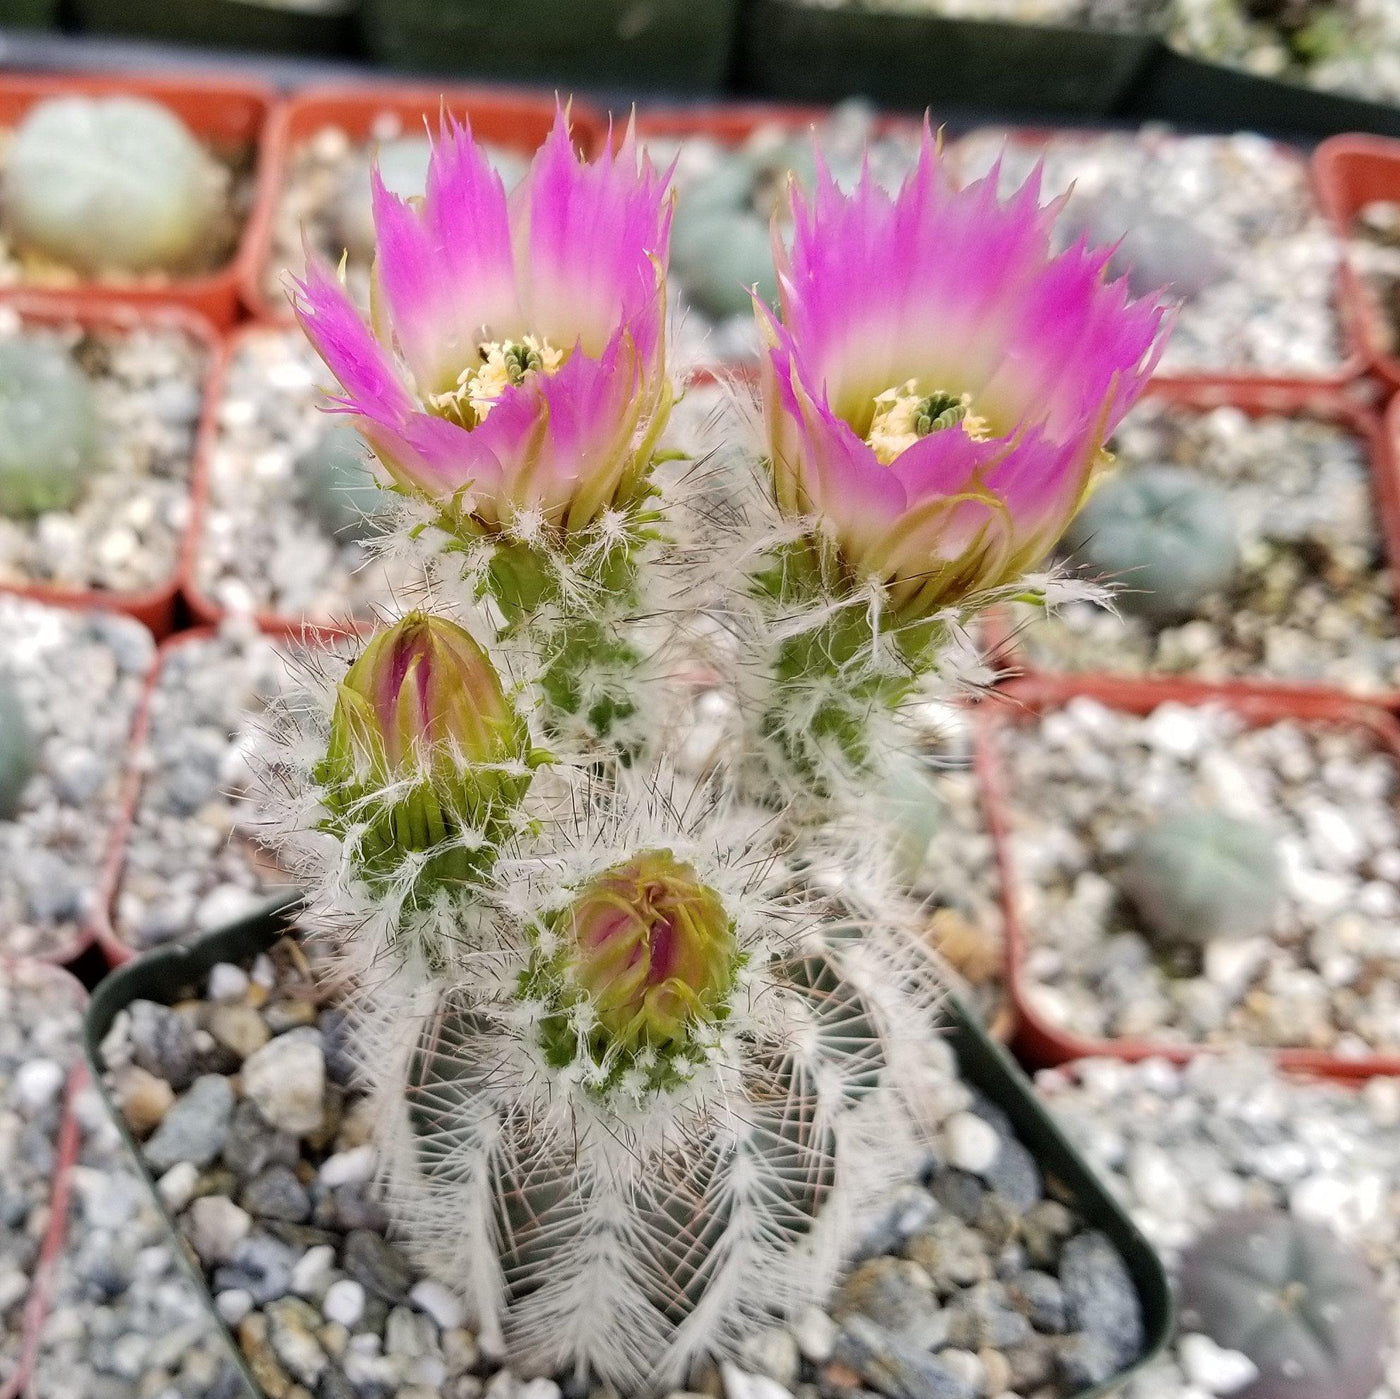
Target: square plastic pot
(221, 112)
(1351, 172)
(652, 45)
(155, 606)
(166, 975)
(1258, 401)
(816, 53)
(1042, 1044)
(516, 120)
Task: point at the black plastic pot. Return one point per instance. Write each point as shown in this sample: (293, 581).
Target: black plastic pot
(320, 28)
(806, 53)
(671, 45)
(1192, 92)
(169, 974)
(29, 14)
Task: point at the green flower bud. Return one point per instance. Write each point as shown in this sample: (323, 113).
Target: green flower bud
(652, 949)
(427, 755)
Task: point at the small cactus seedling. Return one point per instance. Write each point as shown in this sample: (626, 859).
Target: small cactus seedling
(1290, 1296)
(48, 428)
(338, 485)
(113, 183)
(1200, 875)
(1168, 537)
(403, 166)
(1155, 250)
(16, 750)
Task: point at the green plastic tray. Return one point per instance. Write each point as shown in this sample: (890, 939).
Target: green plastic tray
(806, 53)
(654, 45)
(168, 973)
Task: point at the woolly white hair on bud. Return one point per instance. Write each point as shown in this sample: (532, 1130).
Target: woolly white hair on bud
(389, 922)
(623, 1225)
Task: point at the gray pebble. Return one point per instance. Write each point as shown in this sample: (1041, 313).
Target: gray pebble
(896, 1368)
(195, 1127)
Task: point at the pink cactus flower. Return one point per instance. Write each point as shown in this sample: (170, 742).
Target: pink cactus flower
(515, 364)
(938, 386)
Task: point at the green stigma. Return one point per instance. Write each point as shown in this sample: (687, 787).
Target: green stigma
(520, 360)
(937, 411)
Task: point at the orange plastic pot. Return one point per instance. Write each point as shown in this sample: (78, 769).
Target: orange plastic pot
(36, 1306)
(220, 112)
(1260, 400)
(1038, 1042)
(1352, 366)
(156, 606)
(516, 120)
(1351, 172)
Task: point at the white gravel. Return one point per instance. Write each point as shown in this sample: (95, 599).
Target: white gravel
(79, 677)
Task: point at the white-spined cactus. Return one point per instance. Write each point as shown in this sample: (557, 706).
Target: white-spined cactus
(646, 1044)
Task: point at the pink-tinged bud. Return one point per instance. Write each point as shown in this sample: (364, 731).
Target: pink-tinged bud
(426, 751)
(652, 949)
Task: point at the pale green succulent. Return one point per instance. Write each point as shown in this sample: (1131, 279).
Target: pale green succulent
(1292, 1297)
(115, 183)
(16, 750)
(1199, 875)
(1167, 537)
(48, 428)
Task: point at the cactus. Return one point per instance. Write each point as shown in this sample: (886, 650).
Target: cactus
(48, 428)
(338, 485)
(1169, 539)
(1288, 1294)
(403, 166)
(1200, 875)
(16, 750)
(114, 183)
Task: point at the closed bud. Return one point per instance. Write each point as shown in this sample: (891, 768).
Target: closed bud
(652, 949)
(427, 754)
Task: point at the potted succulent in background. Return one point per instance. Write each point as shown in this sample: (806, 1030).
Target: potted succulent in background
(142, 188)
(100, 408)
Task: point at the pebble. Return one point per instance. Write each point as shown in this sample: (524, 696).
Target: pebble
(1214, 1369)
(194, 1128)
(216, 1227)
(344, 1302)
(970, 1143)
(286, 1080)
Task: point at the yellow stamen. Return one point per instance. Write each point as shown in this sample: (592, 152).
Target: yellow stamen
(480, 386)
(905, 414)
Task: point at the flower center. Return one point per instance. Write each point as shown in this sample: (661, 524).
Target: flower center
(479, 386)
(905, 414)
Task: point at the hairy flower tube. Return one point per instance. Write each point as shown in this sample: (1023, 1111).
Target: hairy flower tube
(937, 388)
(427, 757)
(513, 375)
(648, 951)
